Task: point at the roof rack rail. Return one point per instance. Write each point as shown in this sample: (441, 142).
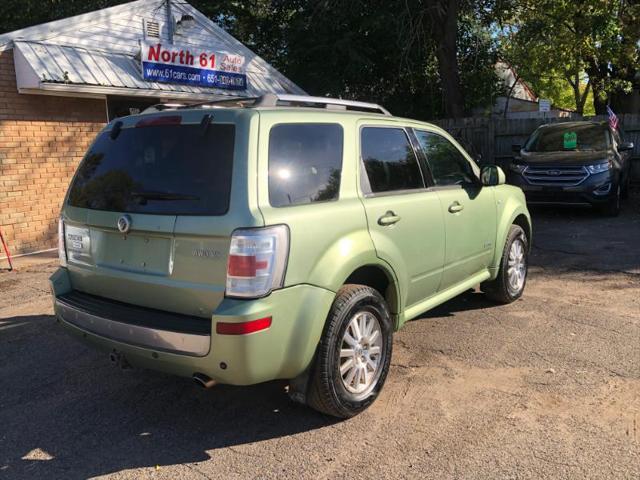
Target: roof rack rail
(272, 99)
(159, 107)
(232, 101)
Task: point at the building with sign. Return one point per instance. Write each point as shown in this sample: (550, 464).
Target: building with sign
(60, 83)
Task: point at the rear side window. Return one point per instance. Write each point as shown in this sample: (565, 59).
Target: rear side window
(448, 165)
(389, 160)
(305, 163)
(161, 169)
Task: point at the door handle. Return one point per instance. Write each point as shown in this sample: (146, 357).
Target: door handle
(456, 207)
(388, 218)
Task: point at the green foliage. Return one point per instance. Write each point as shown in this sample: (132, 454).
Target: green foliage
(477, 56)
(590, 45)
(556, 88)
(360, 50)
(17, 14)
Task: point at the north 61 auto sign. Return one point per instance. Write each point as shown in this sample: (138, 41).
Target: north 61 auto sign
(192, 66)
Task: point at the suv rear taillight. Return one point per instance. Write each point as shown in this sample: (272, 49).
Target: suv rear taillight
(257, 261)
(62, 251)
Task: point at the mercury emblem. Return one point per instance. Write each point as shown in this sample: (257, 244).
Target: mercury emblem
(124, 224)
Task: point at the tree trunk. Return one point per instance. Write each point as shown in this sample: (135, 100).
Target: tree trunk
(599, 104)
(583, 98)
(575, 84)
(445, 34)
(595, 78)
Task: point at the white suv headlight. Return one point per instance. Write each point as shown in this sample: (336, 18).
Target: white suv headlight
(600, 167)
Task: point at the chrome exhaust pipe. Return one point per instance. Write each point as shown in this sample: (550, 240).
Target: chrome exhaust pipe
(203, 380)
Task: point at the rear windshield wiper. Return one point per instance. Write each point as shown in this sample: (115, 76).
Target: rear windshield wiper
(154, 195)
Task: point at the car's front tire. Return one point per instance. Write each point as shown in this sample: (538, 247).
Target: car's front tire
(354, 354)
(508, 286)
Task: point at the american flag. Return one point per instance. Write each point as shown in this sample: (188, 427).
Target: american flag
(613, 118)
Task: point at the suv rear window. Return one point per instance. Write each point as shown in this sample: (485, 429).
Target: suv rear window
(161, 169)
(305, 163)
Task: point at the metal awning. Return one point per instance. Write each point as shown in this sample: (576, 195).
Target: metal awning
(98, 53)
(61, 69)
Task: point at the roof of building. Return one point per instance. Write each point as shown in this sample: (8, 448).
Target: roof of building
(517, 86)
(99, 53)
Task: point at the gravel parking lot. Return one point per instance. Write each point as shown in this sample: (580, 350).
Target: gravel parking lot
(548, 387)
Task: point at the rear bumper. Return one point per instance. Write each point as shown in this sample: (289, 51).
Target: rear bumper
(135, 325)
(283, 351)
(594, 190)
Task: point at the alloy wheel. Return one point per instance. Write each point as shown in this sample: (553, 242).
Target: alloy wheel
(361, 354)
(516, 266)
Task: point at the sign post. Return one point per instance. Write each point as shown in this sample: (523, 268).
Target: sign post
(544, 105)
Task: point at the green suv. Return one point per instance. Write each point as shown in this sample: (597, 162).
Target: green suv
(280, 237)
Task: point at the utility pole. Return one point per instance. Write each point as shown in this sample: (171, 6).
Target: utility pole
(167, 5)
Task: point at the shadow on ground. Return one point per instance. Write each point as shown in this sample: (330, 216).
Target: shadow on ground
(583, 240)
(469, 300)
(67, 413)
(569, 240)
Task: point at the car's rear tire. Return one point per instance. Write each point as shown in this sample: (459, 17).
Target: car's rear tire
(509, 285)
(354, 353)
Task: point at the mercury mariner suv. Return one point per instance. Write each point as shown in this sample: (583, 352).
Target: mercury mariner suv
(279, 237)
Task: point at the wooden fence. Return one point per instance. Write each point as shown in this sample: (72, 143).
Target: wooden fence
(491, 139)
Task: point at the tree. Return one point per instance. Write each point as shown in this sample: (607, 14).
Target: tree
(17, 14)
(586, 44)
(444, 33)
(431, 26)
(624, 65)
(387, 51)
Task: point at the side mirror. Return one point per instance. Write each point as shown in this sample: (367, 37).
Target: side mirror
(516, 148)
(625, 146)
(492, 175)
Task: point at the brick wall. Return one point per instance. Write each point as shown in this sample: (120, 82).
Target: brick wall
(42, 139)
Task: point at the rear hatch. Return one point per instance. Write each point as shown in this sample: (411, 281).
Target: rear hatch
(150, 212)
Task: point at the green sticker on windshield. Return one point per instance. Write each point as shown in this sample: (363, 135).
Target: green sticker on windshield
(570, 140)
